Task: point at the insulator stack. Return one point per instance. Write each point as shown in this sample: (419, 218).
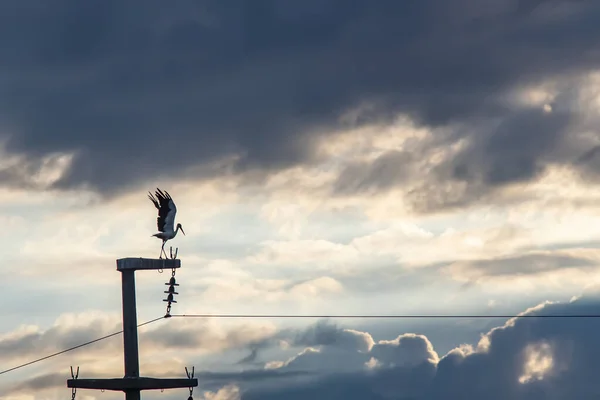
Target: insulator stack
(170, 293)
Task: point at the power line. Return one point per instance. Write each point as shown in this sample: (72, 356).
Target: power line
(74, 347)
(401, 316)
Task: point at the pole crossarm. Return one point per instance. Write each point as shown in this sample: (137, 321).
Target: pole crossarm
(135, 263)
(139, 383)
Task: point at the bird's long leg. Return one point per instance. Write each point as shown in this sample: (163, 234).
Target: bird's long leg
(162, 250)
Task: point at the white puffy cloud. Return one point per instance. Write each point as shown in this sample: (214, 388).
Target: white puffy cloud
(335, 350)
(408, 350)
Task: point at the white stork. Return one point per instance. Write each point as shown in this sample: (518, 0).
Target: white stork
(166, 217)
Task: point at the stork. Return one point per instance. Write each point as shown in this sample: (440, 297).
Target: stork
(166, 217)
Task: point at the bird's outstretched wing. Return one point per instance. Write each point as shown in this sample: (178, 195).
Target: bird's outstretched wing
(166, 210)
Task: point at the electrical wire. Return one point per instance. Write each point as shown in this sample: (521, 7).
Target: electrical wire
(404, 316)
(75, 347)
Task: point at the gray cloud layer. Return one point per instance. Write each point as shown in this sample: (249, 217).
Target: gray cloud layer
(141, 91)
(528, 358)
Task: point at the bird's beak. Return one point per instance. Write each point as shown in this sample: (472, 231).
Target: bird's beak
(182, 231)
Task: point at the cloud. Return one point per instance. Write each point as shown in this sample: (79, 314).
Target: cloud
(390, 169)
(303, 252)
(331, 349)
(472, 240)
(522, 265)
(543, 357)
(68, 330)
(206, 90)
(408, 350)
(208, 335)
(193, 337)
(39, 383)
(226, 393)
(475, 163)
(326, 334)
(535, 357)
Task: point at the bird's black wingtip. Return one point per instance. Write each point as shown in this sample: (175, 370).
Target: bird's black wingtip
(163, 194)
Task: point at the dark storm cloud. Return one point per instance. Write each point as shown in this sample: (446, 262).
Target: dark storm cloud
(216, 379)
(527, 358)
(495, 374)
(394, 383)
(514, 148)
(139, 91)
(321, 333)
(513, 151)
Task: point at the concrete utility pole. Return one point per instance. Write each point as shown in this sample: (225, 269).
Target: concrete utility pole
(132, 384)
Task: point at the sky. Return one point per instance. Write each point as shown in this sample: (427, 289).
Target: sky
(327, 157)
